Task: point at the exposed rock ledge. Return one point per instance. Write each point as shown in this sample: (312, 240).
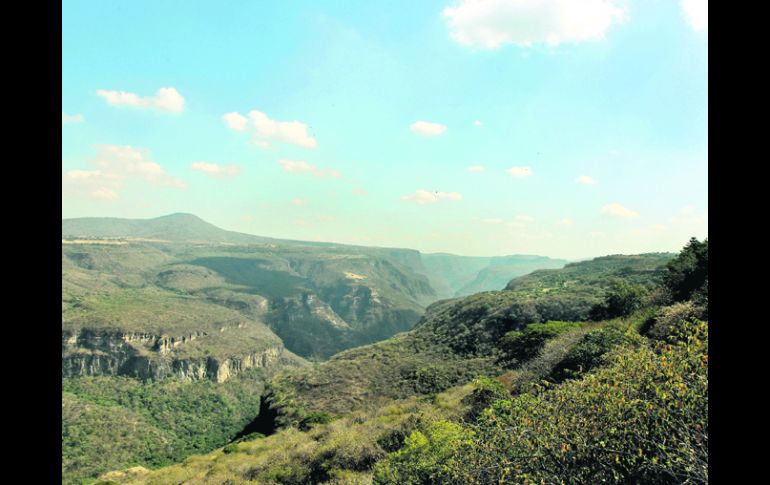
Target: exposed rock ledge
(146, 356)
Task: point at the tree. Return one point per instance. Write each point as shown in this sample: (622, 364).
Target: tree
(687, 276)
(621, 300)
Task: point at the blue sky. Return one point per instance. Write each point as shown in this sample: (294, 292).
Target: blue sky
(557, 127)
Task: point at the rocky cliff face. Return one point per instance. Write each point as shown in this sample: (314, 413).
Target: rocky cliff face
(145, 356)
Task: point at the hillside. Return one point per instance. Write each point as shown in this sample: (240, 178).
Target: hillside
(170, 343)
(458, 339)
(623, 400)
(176, 307)
(449, 275)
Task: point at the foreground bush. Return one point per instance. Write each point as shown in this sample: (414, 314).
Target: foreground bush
(641, 419)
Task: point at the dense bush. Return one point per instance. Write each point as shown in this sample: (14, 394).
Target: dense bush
(641, 419)
(687, 276)
(485, 392)
(590, 350)
(621, 300)
(668, 318)
(114, 422)
(522, 345)
(314, 418)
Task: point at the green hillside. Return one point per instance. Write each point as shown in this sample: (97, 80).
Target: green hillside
(458, 339)
(619, 400)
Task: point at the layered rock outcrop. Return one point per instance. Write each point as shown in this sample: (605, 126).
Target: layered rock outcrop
(145, 356)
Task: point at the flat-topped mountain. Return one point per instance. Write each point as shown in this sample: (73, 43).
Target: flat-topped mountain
(179, 227)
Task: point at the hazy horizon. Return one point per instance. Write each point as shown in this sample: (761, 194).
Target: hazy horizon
(577, 259)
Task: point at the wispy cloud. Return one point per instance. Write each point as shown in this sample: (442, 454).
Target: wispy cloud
(65, 118)
(114, 166)
(565, 222)
(421, 196)
(616, 210)
(477, 123)
(266, 130)
(520, 172)
(697, 13)
(426, 128)
(300, 166)
(216, 171)
(476, 168)
(165, 99)
(489, 24)
(298, 201)
(586, 180)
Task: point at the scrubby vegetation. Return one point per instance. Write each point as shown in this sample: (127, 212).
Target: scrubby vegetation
(641, 419)
(593, 373)
(623, 400)
(114, 422)
(461, 339)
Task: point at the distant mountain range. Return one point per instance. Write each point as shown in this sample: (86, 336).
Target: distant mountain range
(450, 275)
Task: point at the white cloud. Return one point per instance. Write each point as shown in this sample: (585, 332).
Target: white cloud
(84, 174)
(492, 221)
(477, 123)
(520, 172)
(298, 201)
(358, 191)
(115, 165)
(565, 222)
(426, 128)
(617, 210)
(689, 215)
(476, 168)
(294, 132)
(586, 180)
(421, 196)
(235, 121)
(267, 130)
(300, 166)
(489, 24)
(216, 171)
(65, 118)
(697, 12)
(165, 99)
(524, 218)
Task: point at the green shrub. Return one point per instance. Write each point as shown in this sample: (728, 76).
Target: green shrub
(231, 448)
(521, 345)
(668, 318)
(590, 350)
(314, 418)
(641, 419)
(485, 392)
(621, 300)
(687, 276)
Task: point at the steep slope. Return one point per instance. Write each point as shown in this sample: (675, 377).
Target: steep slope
(319, 300)
(457, 339)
